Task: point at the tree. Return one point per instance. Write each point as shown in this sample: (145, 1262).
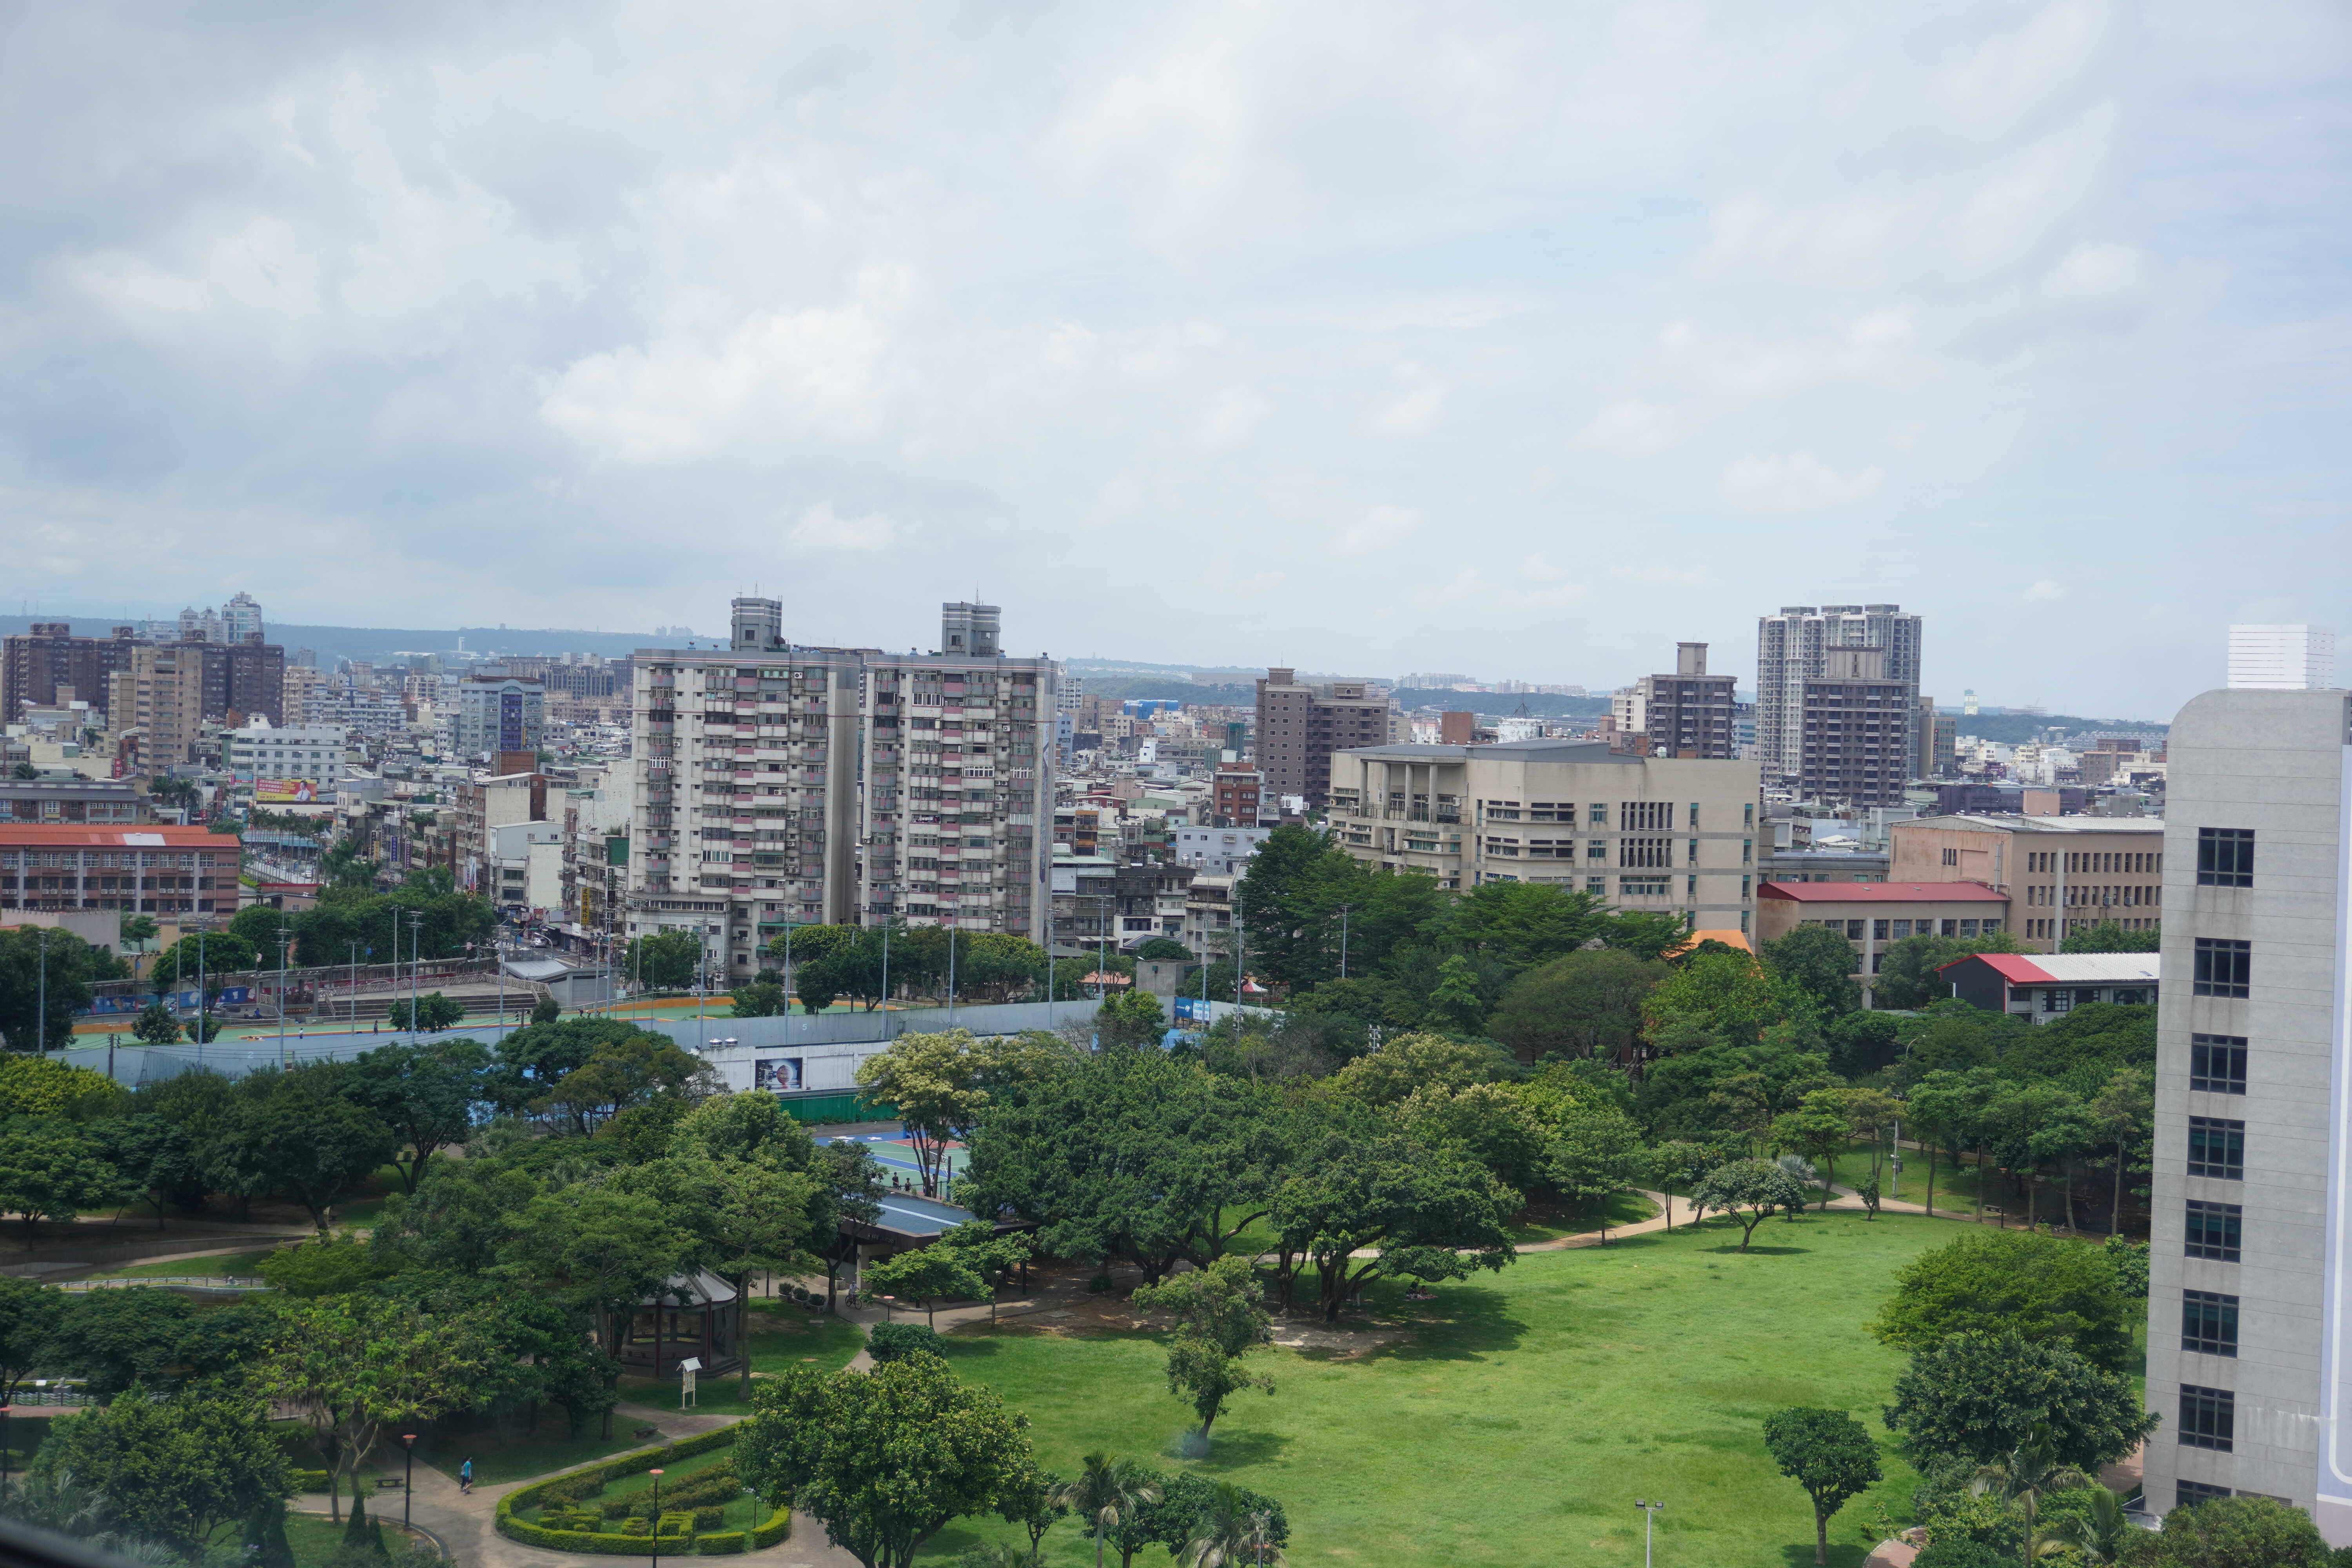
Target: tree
(545, 1011)
(1729, 993)
(1404, 1063)
(1817, 1130)
(2108, 936)
(1130, 1020)
(70, 964)
(425, 1094)
(1594, 1155)
(666, 961)
(27, 1312)
(600, 1247)
(210, 954)
(155, 1025)
(1829, 1453)
(926, 1274)
(760, 999)
(111, 1339)
(1028, 1501)
(1977, 1396)
(53, 1170)
(429, 1014)
(2022, 1478)
(1228, 1533)
(1221, 1317)
(933, 1080)
(1906, 966)
(1750, 1192)
(756, 1218)
(885, 1458)
(169, 1471)
(1578, 1005)
(619, 1075)
(1106, 1492)
(326, 1266)
(2123, 1112)
(2239, 1533)
(1163, 950)
(2039, 1288)
(303, 1139)
(1187, 1499)
(1820, 962)
(1352, 1197)
(352, 1365)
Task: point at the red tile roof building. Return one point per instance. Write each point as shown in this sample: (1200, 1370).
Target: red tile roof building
(147, 871)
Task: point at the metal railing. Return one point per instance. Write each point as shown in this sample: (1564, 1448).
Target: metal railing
(173, 1281)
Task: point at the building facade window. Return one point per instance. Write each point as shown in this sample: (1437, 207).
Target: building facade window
(2224, 967)
(2215, 1231)
(2186, 1493)
(2209, 1322)
(2217, 1148)
(2225, 856)
(2217, 1063)
(2209, 1417)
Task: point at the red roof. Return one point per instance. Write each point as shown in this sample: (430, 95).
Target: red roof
(1883, 892)
(141, 835)
(2014, 967)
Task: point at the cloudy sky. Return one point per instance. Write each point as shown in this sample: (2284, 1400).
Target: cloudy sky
(1514, 340)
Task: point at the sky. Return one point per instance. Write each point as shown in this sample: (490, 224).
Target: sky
(1519, 340)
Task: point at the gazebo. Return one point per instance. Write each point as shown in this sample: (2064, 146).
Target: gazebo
(696, 1314)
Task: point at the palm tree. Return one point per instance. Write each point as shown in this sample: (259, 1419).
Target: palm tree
(2023, 1476)
(1229, 1535)
(1105, 1493)
(2100, 1537)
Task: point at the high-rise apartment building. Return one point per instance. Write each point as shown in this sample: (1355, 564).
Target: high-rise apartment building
(2248, 1358)
(1300, 725)
(36, 665)
(160, 694)
(498, 713)
(1836, 689)
(779, 785)
(2282, 658)
(1676, 835)
(1689, 712)
(1938, 736)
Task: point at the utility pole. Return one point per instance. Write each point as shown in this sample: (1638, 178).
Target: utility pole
(1343, 941)
(355, 985)
(41, 1010)
(284, 936)
(952, 958)
(416, 966)
(201, 999)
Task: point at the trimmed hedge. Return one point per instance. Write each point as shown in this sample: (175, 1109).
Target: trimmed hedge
(310, 1480)
(567, 1490)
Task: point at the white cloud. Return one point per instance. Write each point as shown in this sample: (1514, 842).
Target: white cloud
(1414, 408)
(2044, 589)
(820, 531)
(1798, 482)
(1633, 427)
(1230, 417)
(1383, 525)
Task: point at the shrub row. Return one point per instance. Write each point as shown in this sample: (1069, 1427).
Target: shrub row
(632, 1538)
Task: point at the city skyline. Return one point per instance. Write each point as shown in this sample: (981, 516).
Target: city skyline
(1083, 313)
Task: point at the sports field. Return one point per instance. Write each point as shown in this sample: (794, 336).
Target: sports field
(1516, 1418)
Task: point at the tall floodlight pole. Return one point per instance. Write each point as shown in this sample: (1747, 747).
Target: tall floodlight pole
(1343, 941)
(41, 1008)
(952, 958)
(1648, 1519)
(415, 966)
(285, 937)
(202, 999)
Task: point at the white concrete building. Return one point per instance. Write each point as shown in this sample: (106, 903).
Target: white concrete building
(779, 783)
(1218, 851)
(2282, 658)
(526, 868)
(310, 753)
(2249, 1360)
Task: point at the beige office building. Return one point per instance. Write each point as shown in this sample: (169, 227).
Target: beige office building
(1676, 835)
(160, 694)
(2061, 873)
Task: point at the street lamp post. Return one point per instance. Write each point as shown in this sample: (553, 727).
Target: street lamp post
(408, 1474)
(41, 1008)
(1648, 1519)
(416, 964)
(655, 1536)
(285, 937)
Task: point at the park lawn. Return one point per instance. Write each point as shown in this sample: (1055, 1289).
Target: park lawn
(216, 1263)
(782, 1338)
(499, 1457)
(1527, 1410)
(315, 1538)
(1548, 1222)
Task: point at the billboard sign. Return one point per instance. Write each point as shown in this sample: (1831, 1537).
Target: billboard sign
(285, 791)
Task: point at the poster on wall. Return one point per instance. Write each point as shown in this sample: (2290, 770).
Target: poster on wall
(283, 792)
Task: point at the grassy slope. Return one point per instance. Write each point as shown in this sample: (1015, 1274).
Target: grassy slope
(1520, 1423)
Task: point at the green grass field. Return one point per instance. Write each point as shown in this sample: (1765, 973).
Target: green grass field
(781, 1338)
(1524, 1412)
(1547, 1224)
(216, 1263)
